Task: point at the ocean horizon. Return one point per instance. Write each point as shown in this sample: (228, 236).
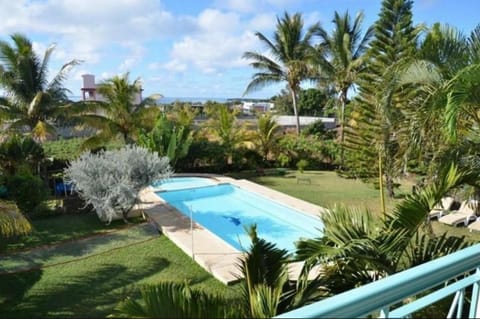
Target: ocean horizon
(202, 100)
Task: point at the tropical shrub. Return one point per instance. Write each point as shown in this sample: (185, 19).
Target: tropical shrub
(111, 180)
(310, 148)
(175, 300)
(27, 191)
(20, 153)
(203, 154)
(169, 138)
(301, 165)
(12, 222)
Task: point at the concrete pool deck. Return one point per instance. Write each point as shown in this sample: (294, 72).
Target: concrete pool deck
(207, 249)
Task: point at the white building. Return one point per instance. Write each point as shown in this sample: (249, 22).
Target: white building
(253, 107)
(89, 90)
(289, 121)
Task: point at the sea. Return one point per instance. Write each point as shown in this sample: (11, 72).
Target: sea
(202, 100)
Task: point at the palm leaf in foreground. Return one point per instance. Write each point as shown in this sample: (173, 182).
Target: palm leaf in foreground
(175, 300)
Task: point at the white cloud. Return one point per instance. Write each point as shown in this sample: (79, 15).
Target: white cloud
(175, 65)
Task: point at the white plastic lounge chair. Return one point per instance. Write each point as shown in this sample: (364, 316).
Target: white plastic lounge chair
(442, 208)
(465, 214)
(475, 225)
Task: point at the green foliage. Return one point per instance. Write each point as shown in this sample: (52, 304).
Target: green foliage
(311, 102)
(32, 101)
(118, 116)
(203, 153)
(167, 138)
(283, 103)
(267, 135)
(266, 290)
(377, 119)
(356, 247)
(12, 222)
(20, 152)
(174, 300)
(64, 149)
(224, 127)
(111, 180)
(300, 147)
(301, 165)
(27, 191)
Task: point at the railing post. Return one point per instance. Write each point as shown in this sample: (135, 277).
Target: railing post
(384, 312)
(474, 306)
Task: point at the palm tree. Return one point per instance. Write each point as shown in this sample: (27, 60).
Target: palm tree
(223, 126)
(117, 116)
(266, 134)
(288, 60)
(341, 58)
(32, 102)
(357, 248)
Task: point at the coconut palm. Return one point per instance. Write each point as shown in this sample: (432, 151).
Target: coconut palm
(287, 60)
(32, 103)
(266, 134)
(341, 58)
(117, 116)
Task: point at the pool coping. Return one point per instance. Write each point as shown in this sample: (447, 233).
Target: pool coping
(207, 249)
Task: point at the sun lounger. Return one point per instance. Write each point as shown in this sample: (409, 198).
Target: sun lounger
(475, 225)
(465, 214)
(442, 208)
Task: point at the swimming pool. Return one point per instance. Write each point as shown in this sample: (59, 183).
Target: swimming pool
(226, 210)
(176, 183)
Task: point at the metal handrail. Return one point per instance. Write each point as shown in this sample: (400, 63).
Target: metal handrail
(381, 294)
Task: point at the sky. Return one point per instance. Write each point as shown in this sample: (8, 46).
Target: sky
(184, 48)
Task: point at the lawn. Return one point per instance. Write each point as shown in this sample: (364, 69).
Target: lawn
(91, 283)
(56, 229)
(327, 189)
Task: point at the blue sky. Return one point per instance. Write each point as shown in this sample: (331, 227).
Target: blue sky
(184, 48)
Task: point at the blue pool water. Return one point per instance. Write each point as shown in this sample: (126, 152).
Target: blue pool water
(183, 183)
(225, 209)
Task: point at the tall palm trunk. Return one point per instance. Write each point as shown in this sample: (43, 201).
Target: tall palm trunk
(295, 112)
(343, 102)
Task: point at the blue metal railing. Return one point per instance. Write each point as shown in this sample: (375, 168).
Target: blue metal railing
(452, 273)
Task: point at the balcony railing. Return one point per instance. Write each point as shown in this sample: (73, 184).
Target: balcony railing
(423, 285)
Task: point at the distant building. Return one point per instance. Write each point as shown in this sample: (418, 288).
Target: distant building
(89, 90)
(250, 108)
(289, 121)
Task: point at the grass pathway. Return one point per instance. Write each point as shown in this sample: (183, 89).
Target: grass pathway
(73, 250)
(88, 277)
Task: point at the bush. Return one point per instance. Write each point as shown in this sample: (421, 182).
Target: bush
(301, 165)
(27, 191)
(111, 180)
(12, 222)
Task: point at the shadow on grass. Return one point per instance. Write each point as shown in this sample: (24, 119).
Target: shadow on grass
(92, 293)
(77, 249)
(14, 286)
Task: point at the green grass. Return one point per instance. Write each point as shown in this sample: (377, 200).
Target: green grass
(327, 189)
(92, 286)
(56, 229)
(76, 249)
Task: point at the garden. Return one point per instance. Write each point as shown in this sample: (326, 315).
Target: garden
(407, 139)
